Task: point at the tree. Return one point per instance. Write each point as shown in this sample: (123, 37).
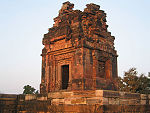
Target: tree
(29, 90)
(131, 82)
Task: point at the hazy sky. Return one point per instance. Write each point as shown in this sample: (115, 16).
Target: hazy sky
(24, 22)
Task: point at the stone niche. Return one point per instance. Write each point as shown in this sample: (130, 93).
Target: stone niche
(79, 52)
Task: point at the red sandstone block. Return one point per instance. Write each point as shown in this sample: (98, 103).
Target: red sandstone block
(60, 94)
(57, 101)
(99, 93)
(54, 95)
(109, 93)
(148, 96)
(30, 97)
(67, 101)
(127, 95)
(78, 100)
(134, 102)
(124, 102)
(94, 100)
(143, 96)
(85, 93)
(66, 94)
(42, 98)
(104, 101)
(143, 102)
(113, 101)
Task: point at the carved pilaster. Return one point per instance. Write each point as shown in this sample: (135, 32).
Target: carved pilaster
(43, 79)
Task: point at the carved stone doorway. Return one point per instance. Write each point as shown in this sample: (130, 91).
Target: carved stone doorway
(65, 76)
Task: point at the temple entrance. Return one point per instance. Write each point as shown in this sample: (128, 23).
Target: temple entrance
(65, 76)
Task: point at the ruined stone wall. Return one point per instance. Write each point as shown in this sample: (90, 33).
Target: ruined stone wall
(98, 101)
(8, 103)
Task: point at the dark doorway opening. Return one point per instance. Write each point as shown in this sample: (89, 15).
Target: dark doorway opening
(65, 76)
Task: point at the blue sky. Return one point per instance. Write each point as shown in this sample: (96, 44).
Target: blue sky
(24, 22)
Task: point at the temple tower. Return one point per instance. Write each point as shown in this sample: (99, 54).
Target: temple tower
(79, 52)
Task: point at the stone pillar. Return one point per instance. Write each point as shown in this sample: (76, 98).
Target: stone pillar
(95, 64)
(108, 69)
(114, 67)
(43, 79)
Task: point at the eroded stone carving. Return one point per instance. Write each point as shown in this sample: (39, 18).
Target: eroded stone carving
(66, 7)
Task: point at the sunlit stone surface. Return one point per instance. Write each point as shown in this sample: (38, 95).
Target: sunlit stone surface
(79, 70)
(79, 52)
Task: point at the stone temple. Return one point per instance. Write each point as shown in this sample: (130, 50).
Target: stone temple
(79, 70)
(79, 52)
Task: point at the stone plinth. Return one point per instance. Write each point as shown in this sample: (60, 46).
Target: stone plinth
(98, 101)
